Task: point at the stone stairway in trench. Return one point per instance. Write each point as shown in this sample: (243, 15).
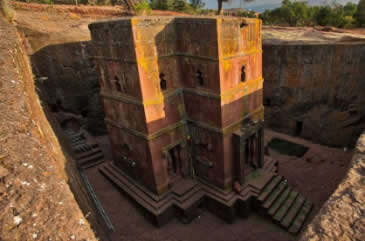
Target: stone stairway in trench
(284, 205)
(87, 155)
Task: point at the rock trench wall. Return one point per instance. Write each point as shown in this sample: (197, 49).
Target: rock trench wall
(66, 78)
(342, 216)
(72, 82)
(315, 91)
(36, 174)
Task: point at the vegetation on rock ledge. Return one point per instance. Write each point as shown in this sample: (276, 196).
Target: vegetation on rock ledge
(6, 10)
(360, 13)
(191, 7)
(143, 8)
(296, 14)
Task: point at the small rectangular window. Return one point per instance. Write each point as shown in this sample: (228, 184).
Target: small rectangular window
(163, 84)
(243, 74)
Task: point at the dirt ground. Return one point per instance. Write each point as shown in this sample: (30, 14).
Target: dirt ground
(311, 35)
(315, 175)
(62, 23)
(117, 10)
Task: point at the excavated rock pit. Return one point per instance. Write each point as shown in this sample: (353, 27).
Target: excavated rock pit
(298, 100)
(314, 82)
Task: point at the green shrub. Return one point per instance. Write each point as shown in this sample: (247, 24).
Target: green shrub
(6, 10)
(159, 4)
(349, 22)
(247, 14)
(46, 1)
(301, 14)
(177, 5)
(143, 8)
(360, 13)
(197, 4)
(194, 7)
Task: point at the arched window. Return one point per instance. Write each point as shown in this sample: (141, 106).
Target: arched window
(163, 83)
(243, 74)
(199, 77)
(117, 84)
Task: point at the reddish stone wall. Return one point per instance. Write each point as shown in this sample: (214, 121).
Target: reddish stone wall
(128, 148)
(208, 149)
(159, 160)
(204, 109)
(241, 95)
(125, 114)
(173, 108)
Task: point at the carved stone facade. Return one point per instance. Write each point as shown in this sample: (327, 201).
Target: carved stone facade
(176, 91)
(177, 86)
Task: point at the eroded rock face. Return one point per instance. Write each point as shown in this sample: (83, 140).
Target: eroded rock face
(315, 91)
(342, 216)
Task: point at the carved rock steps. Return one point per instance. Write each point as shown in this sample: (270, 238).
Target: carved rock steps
(284, 205)
(86, 155)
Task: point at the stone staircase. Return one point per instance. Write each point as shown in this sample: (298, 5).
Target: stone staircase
(87, 155)
(283, 204)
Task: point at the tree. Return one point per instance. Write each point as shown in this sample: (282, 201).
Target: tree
(360, 13)
(159, 4)
(350, 9)
(142, 7)
(324, 16)
(177, 5)
(197, 4)
(220, 9)
(220, 5)
(298, 13)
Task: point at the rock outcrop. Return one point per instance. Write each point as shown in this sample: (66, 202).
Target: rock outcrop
(342, 216)
(36, 201)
